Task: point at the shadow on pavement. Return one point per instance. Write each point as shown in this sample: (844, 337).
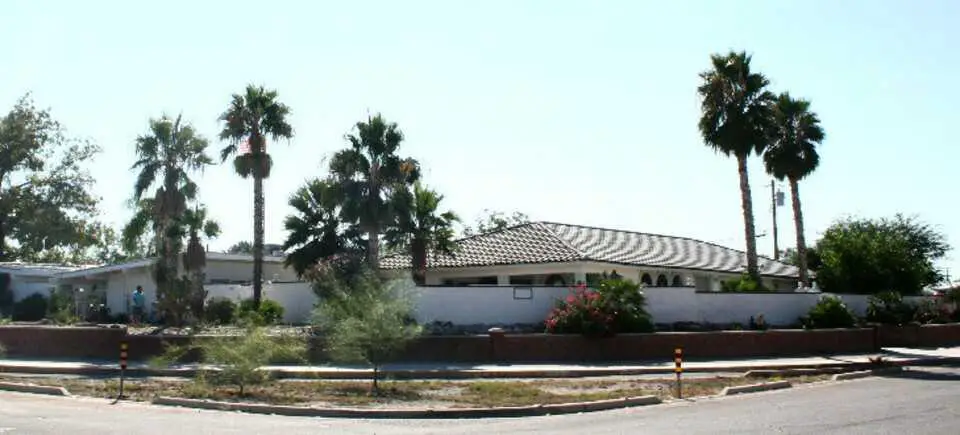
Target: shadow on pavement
(925, 375)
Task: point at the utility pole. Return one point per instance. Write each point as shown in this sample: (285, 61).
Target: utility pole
(773, 206)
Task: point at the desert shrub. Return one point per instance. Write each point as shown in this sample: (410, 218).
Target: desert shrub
(221, 311)
(889, 308)
(31, 308)
(743, 284)
(370, 324)
(239, 358)
(829, 312)
(616, 306)
(932, 311)
(61, 307)
(269, 313)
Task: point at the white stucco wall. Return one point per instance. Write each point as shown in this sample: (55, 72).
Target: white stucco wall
(486, 305)
(526, 305)
(297, 298)
(24, 286)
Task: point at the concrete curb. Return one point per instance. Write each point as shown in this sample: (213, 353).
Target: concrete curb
(35, 389)
(794, 372)
(500, 412)
(865, 373)
(754, 388)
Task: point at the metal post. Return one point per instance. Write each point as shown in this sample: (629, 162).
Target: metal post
(773, 203)
(123, 369)
(678, 361)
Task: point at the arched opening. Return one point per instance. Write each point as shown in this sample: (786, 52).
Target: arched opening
(555, 281)
(677, 281)
(662, 281)
(646, 279)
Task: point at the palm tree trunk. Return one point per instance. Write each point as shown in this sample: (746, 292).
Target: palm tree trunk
(418, 263)
(3, 241)
(746, 202)
(373, 249)
(258, 206)
(801, 241)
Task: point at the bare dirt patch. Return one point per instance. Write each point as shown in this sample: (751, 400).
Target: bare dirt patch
(406, 394)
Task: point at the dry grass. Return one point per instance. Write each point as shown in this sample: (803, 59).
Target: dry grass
(409, 393)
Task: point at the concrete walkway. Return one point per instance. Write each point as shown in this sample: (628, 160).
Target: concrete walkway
(900, 356)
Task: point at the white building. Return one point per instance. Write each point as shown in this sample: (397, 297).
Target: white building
(553, 254)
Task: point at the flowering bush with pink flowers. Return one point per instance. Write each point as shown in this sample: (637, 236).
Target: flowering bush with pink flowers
(615, 306)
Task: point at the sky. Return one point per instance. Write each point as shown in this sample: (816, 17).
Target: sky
(569, 111)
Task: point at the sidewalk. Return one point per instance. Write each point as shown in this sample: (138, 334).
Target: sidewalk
(897, 356)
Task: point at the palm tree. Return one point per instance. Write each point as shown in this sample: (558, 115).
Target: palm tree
(420, 229)
(316, 232)
(367, 174)
(735, 119)
(792, 154)
(170, 152)
(191, 225)
(250, 118)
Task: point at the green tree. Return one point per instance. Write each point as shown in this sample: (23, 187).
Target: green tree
(421, 228)
(789, 256)
(370, 324)
(367, 174)
(735, 121)
(868, 256)
(792, 155)
(45, 189)
(250, 119)
(166, 157)
(316, 232)
(495, 221)
(241, 247)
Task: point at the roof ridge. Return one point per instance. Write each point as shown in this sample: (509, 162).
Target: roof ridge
(500, 230)
(580, 254)
(659, 235)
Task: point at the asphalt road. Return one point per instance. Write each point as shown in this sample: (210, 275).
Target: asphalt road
(918, 402)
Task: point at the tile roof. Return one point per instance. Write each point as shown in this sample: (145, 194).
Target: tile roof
(548, 242)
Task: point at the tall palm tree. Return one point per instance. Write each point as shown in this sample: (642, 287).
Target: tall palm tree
(316, 232)
(421, 228)
(170, 152)
(250, 119)
(367, 174)
(792, 154)
(735, 119)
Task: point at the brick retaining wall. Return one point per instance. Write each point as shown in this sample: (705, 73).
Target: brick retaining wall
(103, 343)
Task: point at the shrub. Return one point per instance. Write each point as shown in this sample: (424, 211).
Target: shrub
(889, 308)
(221, 311)
(269, 313)
(371, 324)
(239, 358)
(61, 307)
(616, 306)
(829, 312)
(31, 308)
(743, 284)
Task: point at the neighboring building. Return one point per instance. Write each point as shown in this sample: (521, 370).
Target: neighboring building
(28, 278)
(553, 254)
(113, 284)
